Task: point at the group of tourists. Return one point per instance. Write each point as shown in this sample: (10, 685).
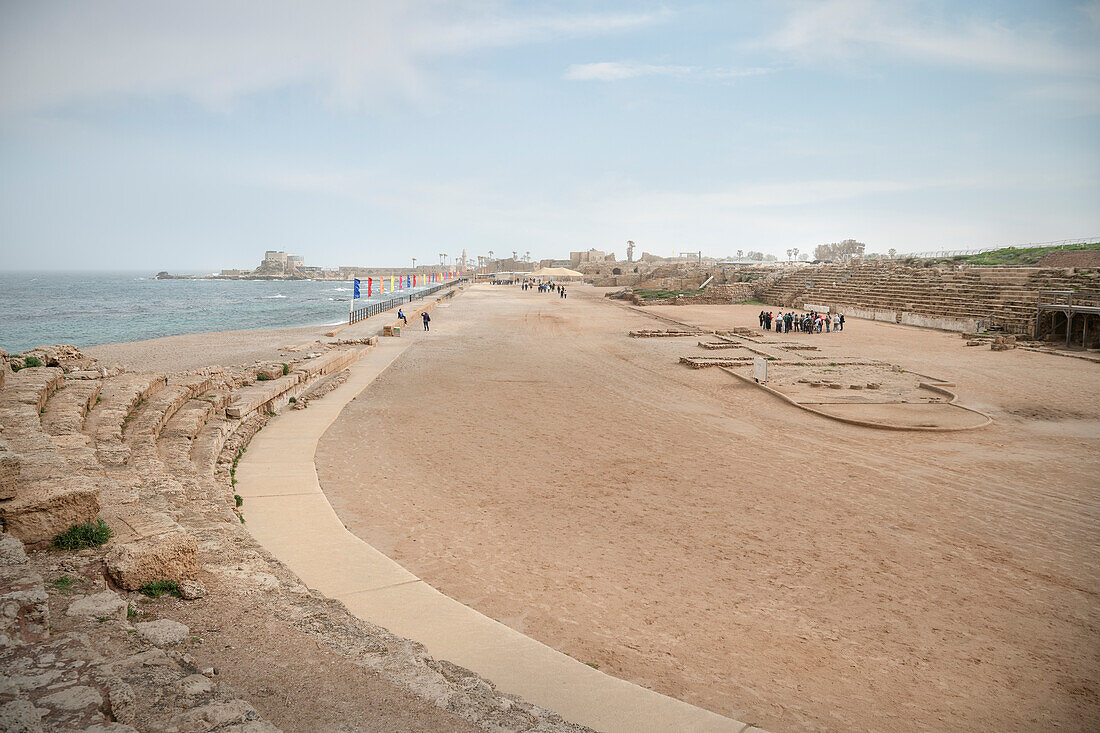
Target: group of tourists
(812, 322)
(549, 287)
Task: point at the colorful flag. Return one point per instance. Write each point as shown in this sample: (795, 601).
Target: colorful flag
(370, 284)
(355, 289)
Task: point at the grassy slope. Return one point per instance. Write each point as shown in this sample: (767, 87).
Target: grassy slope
(1016, 256)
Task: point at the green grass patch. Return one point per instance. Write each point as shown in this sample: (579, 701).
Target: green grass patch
(132, 413)
(262, 378)
(286, 369)
(239, 499)
(64, 584)
(663, 294)
(32, 361)
(159, 588)
(1013, 255)
(81, 536)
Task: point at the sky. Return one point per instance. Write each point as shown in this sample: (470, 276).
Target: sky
(192, 136)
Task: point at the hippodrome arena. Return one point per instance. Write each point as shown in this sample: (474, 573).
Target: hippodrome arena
(589, 504)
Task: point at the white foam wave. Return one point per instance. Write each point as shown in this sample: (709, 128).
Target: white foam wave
(277, 295)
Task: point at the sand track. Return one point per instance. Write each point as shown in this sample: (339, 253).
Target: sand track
(689, 533)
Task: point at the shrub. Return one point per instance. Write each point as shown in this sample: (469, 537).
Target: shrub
(292, 400)
(80, 536)
(159, 588)
(237, 498)
(32, 361)
(286, 368)
(262, 377)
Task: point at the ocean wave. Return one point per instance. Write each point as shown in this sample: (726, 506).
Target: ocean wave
(277, 295)
(341, 290)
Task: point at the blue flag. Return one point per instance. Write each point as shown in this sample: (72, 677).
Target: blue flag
(355, 289)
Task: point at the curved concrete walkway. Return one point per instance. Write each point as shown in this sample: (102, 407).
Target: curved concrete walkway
(288, 514)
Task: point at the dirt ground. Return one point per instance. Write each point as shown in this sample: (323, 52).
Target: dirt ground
(690, 533)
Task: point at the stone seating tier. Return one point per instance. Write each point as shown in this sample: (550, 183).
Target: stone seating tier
(67, 409)
(946, 297)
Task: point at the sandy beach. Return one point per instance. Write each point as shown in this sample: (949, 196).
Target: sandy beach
(684, 531)
(197, 350)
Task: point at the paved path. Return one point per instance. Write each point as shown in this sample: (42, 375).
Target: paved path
(289, 515)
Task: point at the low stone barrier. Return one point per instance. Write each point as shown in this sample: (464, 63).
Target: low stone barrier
(265, 395)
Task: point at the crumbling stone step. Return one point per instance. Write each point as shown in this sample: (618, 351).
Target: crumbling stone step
(333, 361)
(266, 395)
(117, 400)
(21, 430)
(67, 408)
(175, 440)
(41, 510)
(261, 395)
(31, 386)
(208, 444)
(147, 420)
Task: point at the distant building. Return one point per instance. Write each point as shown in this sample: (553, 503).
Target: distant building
(234, 273)
(294, 261)
(592, 255)
(271, 257)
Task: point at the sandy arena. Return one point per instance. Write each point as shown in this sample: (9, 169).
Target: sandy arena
(688, 532)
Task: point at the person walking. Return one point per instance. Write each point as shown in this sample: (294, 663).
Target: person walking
(427, 319)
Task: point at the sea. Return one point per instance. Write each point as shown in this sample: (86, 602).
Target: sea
(90, 308)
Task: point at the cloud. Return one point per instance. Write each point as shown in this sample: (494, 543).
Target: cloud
(839, 30)
(617, 71)
(353, 53)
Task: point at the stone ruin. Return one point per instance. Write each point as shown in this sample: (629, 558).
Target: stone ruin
(153, 455)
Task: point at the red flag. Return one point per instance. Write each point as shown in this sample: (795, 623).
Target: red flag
(370, 281)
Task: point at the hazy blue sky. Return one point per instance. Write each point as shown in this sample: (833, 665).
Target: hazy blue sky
(195, 135)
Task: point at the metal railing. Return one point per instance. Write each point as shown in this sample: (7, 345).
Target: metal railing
(1069, 299)
(982, 250)
(379, 306)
